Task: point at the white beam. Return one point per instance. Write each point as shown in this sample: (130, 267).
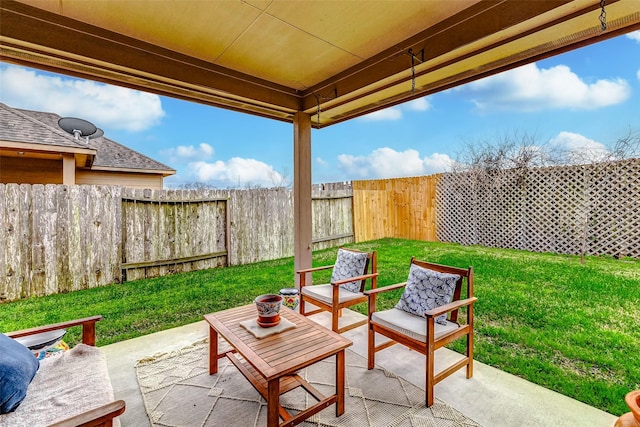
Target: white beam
(68, 169)
(302, 191)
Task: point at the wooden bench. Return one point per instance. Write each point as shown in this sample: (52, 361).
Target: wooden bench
(70, 389)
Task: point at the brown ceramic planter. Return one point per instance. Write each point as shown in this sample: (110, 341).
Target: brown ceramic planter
(268, 306)
(631, 419)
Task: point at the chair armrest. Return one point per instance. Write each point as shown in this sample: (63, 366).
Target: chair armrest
(450, 307)
(354, 279)
(101, 416)
(309, 270)
(88, 329)
(385, 288)
(373, 293)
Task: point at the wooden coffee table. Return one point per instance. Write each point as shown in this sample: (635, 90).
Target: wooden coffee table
(271, 363)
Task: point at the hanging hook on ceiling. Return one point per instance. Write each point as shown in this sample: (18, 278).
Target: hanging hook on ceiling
(603, 15)
(414, 58)
(318, 104)
(320, 98)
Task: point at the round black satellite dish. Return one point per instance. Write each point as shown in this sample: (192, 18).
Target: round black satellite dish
(75, 126)
(97, 134)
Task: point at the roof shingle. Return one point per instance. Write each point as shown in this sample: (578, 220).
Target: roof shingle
(36, 127)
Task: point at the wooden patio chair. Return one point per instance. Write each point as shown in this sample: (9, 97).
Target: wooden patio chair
(426, 317)
(350, 273)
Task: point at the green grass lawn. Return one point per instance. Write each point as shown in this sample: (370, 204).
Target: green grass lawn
(570, 327)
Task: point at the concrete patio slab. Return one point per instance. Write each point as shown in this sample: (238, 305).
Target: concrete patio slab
(491, 397)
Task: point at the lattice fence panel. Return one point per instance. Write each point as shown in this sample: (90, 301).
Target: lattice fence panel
(614, 220)
(591, 209)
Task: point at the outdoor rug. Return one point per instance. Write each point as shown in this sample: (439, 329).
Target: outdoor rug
(178, 391)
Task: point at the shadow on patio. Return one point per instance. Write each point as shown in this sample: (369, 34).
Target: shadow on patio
(491, 397)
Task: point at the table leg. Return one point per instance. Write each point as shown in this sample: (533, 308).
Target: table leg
(273, 403)
(213, 351)
(340, 374)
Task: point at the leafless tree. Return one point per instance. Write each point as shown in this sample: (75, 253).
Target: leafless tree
(280, 179)
(506, 162)
(523, 151)
(196, 186)
(627, 147)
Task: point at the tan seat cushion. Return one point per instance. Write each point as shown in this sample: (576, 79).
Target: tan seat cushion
(324, 293)
(410, 324)
(65, 385)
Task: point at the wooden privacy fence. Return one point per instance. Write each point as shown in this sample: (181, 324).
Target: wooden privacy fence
(166, 232)
(401, 207)
(332, 210)
(58, 238)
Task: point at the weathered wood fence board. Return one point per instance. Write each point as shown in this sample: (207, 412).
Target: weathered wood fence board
(261, 225)
(4, 244)
(402, 207)
(172, 231)
(332, 221)
(58, 238)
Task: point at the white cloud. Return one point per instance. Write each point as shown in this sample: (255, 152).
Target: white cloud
(396, 112)
(529, 88)
(634, 36)
(237, 172)
(106, 106)
(387, 163)
(392, 113)
(638, 74)
(437, 163)
(420, 104)
(573, 148)
(189, 152)
(321, 161)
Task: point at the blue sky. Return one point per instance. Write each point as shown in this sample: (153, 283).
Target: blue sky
(582, 100)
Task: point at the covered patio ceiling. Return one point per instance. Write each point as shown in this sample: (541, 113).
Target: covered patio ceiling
(312, 63)
(275, 58)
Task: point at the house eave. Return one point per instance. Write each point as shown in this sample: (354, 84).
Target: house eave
(163, 172)
(83, 157)
(48, 148)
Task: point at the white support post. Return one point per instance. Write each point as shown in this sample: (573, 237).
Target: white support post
(68, 169)
(302, 213)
